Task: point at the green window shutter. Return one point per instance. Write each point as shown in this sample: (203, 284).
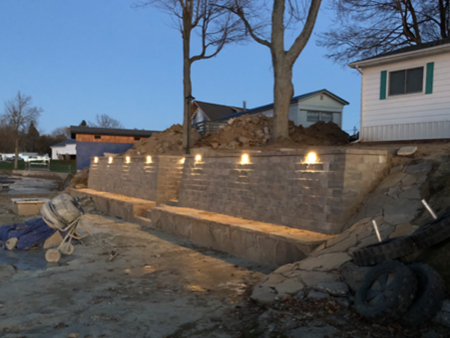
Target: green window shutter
(383, 82)
(429, 78)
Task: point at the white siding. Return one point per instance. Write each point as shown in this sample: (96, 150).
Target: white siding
(319, 103)
(199, 116)
(69, 149)
(410, 116)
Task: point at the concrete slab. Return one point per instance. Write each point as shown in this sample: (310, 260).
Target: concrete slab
(128, 208)
(261, 242)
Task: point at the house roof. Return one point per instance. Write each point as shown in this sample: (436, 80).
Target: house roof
(216, 111)
(74, 130)
(64, 143)
(293, 100)
(409, 52)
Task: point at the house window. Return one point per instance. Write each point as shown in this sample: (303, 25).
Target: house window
(97, 137)
(314, 117)
(406, 81)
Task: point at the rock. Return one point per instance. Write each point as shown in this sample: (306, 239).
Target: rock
(401, 211)
(263, 294)
(285, 268)
(311, 278)
(403, 230)
(396, 169)
(411, 193)
(314, 332)
(325, 262)
(431, 334)
(394, 191)
(406, 151)
(446, 306)
(353, 275)
(272, 280)
(422, 168)
(391, 180)
(342, 246)
(442, 318)
(337, 289)
(215, 145)
(409, 180)
(343, 302)
(267, 316)
(73, 335)
(313, 294)
(230, 121)
(289, 287)
(266, 130)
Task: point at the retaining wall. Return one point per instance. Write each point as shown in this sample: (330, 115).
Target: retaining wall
(157, 180)
(275, 187)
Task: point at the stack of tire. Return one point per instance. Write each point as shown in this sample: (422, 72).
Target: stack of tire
(394, 292)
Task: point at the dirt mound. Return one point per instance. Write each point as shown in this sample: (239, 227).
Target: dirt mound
(168, 141)
(255, 131)
(80, 180)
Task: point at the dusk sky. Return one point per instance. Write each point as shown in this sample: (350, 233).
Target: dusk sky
(79, 58)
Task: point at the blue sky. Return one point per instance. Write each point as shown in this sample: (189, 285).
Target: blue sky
(79, 58)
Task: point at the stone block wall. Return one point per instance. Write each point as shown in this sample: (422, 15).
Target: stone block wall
(158, 180)
(281, 188)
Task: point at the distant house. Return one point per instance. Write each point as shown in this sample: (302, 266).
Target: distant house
(305, 109)
(91, 142)
(64, 150)
(405, 93)
(204, 111)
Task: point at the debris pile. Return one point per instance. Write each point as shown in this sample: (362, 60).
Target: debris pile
(80, 180)
(256, 131)
(168, 141)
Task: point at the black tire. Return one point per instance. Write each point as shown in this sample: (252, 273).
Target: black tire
(389, 249)
(433, 232)
(429, 295)
(386, 292)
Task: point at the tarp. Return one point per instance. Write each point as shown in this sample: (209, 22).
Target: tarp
(28, 233)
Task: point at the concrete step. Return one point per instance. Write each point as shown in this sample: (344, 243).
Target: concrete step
(261, 242)
(128, 208)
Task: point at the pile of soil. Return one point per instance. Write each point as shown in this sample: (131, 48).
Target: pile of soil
(80, 180)
(167, 142)
(255, 131)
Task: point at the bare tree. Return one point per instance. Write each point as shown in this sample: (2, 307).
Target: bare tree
(215, 27)
(19, 114)
(105, 121)
(364, 28)
(285, 14)
(61, 132)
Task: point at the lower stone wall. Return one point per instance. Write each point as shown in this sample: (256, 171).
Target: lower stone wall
(155, 179)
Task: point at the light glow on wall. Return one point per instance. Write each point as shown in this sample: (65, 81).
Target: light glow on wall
(198, 158)
(182, 160)
(95, 159)
(311, 158)
(149, 159)
(127, 159)
(110, 160)
(245, 159)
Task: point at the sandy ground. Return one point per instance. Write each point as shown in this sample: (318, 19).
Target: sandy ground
(157, 285)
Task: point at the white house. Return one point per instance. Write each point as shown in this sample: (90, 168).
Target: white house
(63, 149)
(405, 93)
(309, 108)
(305, 109)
